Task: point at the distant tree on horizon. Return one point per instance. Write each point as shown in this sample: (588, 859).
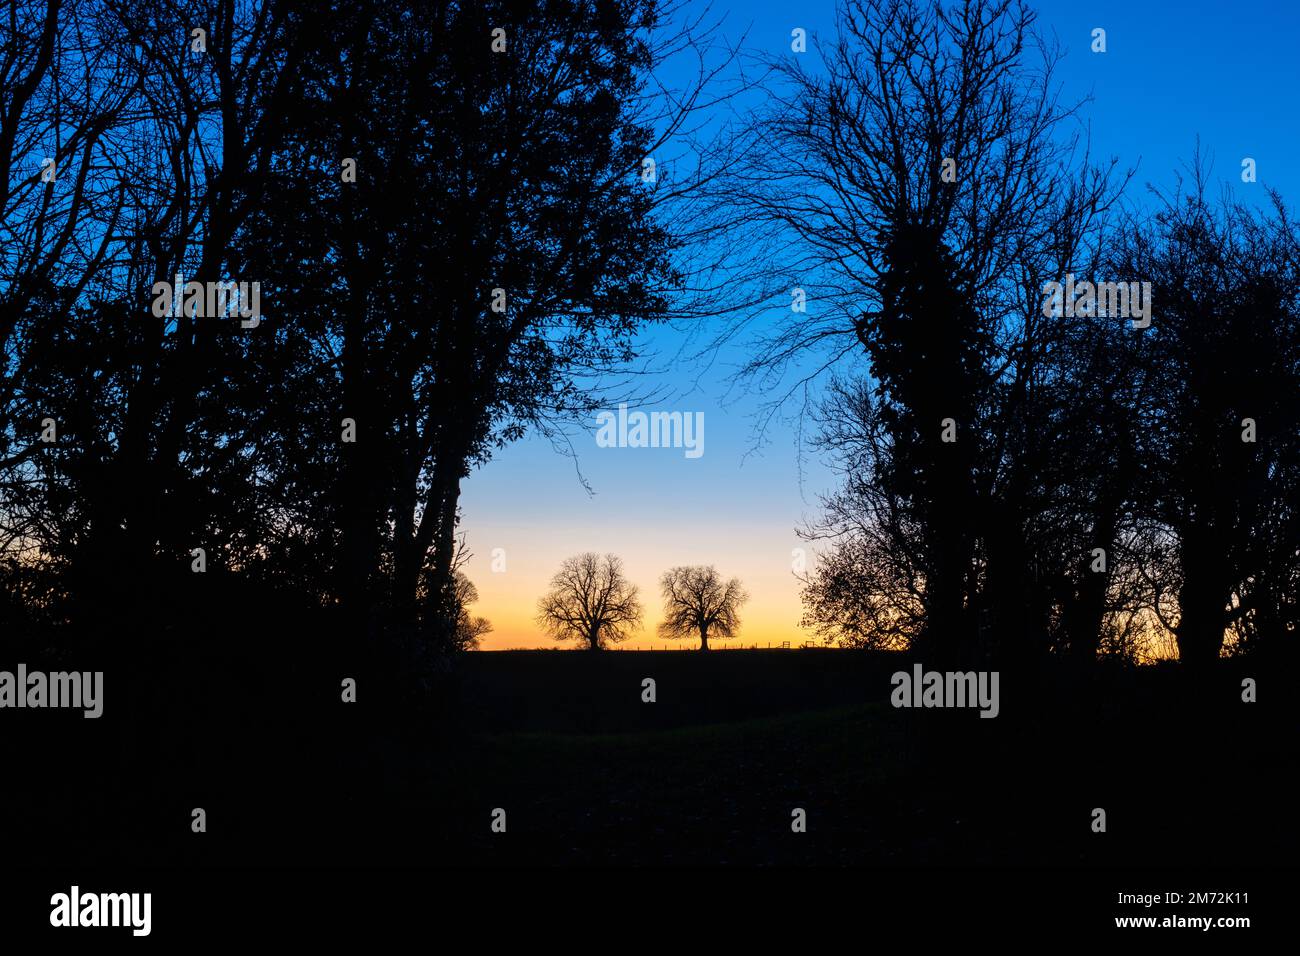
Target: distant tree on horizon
(590, 600)
(698, 601)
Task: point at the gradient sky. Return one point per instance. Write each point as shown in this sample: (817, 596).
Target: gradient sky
(1228, 73)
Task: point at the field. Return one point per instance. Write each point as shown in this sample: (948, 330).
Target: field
(710, 773)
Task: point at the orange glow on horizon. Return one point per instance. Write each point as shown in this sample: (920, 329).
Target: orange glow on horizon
(509, 598)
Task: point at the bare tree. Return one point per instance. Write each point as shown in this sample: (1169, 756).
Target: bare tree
(1220, 419)
(698, 601)
(156, 123)
(469, 630)
(61, 91)
(928, 182)
(526, 169)
(590, 600)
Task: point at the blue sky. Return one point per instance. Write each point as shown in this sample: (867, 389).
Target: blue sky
(1226, 73)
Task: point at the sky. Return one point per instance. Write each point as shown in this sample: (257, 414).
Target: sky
(1226, 73)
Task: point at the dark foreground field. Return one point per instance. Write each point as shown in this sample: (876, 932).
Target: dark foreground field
(709, 774)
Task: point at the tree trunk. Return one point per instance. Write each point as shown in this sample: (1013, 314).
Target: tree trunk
(704, 637)
(360, 480)
(1084, 615)
(1083, 618)
(1202, 599)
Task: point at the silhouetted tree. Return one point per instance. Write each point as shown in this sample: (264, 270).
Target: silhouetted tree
(64, 92)
(926, 188)
(455, 245)
(497, 252)
(1084, 495)
(1221, 418)
(866, 590)
(469, 630)
(698, 602)
(591, 601)
(151, 463)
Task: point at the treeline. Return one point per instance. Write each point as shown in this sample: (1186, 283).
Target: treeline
(1063, 425)
(441, 220)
